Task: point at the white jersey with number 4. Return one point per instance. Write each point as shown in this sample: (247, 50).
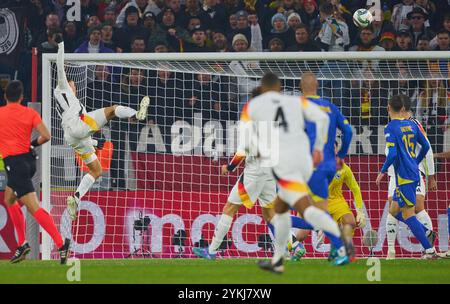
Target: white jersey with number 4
(293, 164)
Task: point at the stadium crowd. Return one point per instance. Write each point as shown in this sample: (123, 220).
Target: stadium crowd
(154, 26)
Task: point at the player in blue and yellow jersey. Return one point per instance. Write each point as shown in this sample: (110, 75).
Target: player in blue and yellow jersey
(325, 171)
(402, 136)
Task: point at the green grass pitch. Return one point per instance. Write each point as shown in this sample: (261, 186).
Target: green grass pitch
(234, 271)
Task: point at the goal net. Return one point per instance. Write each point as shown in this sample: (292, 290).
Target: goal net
(162, 193)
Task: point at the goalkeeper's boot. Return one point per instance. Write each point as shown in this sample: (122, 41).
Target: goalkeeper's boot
(21, 253)
(390, 255)
(430, 254)
(444, 255)
(72, 207)
(277, 268)
(141, 114)
(297, 251)
(342, 258)
(64, 251)
(203, 253)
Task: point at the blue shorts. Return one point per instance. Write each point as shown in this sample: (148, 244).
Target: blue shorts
(405, 195)
(319, 182)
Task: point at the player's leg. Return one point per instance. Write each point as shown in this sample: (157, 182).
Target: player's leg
(421, 213)
(348, 222)
(18, 220)
(124, 112)
(392, 226)
(406, 198)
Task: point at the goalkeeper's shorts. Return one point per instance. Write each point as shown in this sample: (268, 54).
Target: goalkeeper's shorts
(254, 184)
(338, 208)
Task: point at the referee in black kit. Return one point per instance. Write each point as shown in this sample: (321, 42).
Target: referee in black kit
(16, 125)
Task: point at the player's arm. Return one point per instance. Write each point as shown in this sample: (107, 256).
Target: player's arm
(353, 185)
(442, 155)
(62, 79)
(314, 114)
(425, 146)
(347, 133)
(44, 135)
(391, 154)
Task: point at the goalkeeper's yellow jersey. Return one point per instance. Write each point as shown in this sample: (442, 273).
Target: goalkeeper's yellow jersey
(345, 175)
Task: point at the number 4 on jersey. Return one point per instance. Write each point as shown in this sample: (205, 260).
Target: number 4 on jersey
(279, 117)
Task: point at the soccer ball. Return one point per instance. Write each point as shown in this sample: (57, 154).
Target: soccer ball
(362, 18)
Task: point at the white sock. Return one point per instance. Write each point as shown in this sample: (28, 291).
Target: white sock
(425, 219)
(391, 231)
(320, 220)
(221, 230)
(86, 183)
(282, 225)
(124, 112)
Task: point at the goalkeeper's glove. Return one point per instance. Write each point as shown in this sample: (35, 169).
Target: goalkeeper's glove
(360, 218)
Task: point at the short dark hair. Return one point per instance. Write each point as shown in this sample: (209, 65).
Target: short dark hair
(14, 91)
(270, 80)
(327, 8)
(442, 31)
(396, 103)
(406, 102)
(302, 26)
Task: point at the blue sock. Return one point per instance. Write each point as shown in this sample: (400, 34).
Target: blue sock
(399, 216)
(448, 215)
(298, 222)
(334, 240)
(271, 228)
(417, 230)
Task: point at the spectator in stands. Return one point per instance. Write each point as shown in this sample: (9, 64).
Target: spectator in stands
(443, 40)
(445, 26)
(131, 28)
(432, 111)
(403, 41)
(204, 98)
(110, 16)
(92, 22)
(37, 15)
(303, 43)
(240, 43)
(276, 45)
(366, 41)
(380, 26)
(192, 9)
(142, 6)
(51, 23)
(213, 14)
(71, 36)
(138, 45)
(107, 36)
(423, 44)
(59, 9)
(198, 41)
(294, 20)
(417, 18)
(399, 15)
(94, 43)
(88, 8)
(103, 91)
(242, 26)
(232, 22)
(256, 35)
(50, 46)
(233, 6)
(193, 23)
(387, 41)
(175, 6)
(280, 29)
(333, 35)
(161, 47)
(311, 17)
(220, 41)
(169, 32)
(149, 22)
(430, 8)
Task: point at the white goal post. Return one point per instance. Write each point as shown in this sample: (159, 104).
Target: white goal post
(170, 173)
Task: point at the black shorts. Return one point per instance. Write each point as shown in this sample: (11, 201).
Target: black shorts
(20, 169)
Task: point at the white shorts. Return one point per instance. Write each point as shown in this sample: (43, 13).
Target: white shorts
(78, 131)
(420, 190)
(254, 184)
(292, 175)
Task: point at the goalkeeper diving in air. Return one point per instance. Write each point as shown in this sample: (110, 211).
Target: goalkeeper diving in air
(79, 125)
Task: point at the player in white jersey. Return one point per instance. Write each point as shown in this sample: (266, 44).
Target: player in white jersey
(78, 126)
(254, 184)
(426, 168)
(294, 164)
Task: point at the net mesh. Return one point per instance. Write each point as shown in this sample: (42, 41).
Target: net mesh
(162, 193)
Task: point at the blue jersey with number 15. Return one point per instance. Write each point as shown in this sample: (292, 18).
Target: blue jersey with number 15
(402, 136)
